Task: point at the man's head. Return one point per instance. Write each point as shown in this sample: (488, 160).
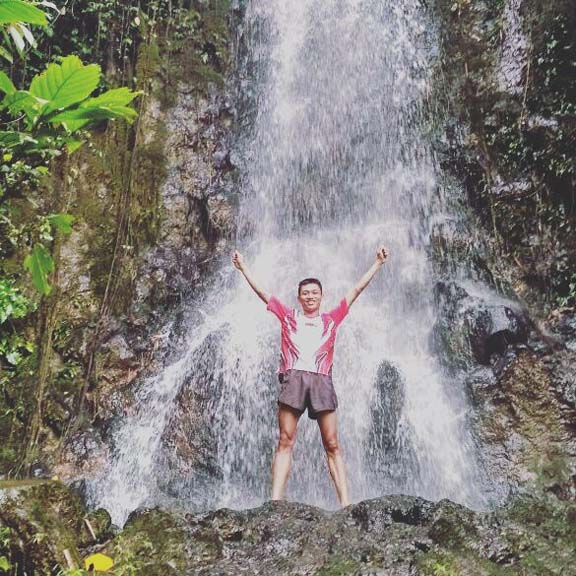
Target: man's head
(310, 295)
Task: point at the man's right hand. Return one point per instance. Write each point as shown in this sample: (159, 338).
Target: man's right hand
(238, 260)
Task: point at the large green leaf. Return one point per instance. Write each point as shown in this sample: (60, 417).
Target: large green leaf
(65, 84)
(12, 11)
(114, 97)
(78, 118)
(6, 84)
(40, 264)
(62, 222)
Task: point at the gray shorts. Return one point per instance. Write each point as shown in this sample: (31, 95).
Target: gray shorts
(301, 389)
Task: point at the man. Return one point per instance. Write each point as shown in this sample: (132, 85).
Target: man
(306, 370)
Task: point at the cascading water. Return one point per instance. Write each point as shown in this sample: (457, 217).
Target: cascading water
(335, 162)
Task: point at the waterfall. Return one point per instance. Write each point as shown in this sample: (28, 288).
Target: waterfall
(336, 159)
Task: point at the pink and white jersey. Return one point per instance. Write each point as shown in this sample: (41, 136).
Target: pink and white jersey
(307, 343)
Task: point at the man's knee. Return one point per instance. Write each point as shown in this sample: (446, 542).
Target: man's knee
(286, 441)
(331, 446)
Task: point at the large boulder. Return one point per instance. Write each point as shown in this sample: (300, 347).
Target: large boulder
(390, 536)
(387, 407)
(389, 449)
(524, 429)
(473, 329)
(189, 446)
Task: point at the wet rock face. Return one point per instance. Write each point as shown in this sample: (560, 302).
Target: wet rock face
(523, 427)
(389, 449)
(391, 536)
(471, 329)
(563, 373)
(457, 248)
(378, 537)
(387, 407)
(506, 132)
(183, 190)
(85, 454)
(564, 325)
(189, 446)
(197, 215)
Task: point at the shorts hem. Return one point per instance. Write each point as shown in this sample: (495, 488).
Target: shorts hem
(314, 415)
(297, 408)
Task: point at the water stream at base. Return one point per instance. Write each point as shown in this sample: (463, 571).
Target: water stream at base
(336, 160)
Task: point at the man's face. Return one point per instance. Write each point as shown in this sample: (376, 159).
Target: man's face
(310, 297)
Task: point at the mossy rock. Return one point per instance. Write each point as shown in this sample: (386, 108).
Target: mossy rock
(454, 527)
(149, 541)
(339, 567)
(101, 523)
(40, 520)
(541, 532)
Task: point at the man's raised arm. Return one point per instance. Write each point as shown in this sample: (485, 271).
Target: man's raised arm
(238, 261)
(381, 256)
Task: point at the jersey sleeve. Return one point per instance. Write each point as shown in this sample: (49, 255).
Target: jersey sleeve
(277, 308)
(340, 312)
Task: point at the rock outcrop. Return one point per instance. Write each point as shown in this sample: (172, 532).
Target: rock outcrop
(391, 536)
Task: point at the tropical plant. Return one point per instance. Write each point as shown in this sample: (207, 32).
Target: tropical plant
(57, 103)
(52, 113)
(13, 304)
(15, 16)
(4, 564)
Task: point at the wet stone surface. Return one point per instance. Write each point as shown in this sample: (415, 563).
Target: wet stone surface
(392, 536)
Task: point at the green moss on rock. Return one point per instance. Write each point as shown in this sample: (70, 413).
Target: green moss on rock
(41, 520)
(339, 567)
(152, 542)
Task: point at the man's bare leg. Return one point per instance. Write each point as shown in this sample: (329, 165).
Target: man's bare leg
(328, 429)
(288, 422)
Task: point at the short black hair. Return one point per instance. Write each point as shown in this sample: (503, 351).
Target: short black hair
(309, 281)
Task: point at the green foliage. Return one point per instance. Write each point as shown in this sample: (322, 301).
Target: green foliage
(5, 533)
(59, 97)
(74, 572)
(439, 565)
(65, 85)
(4, 563)
(13, 11)
(62, 85)
(569, 298)
(13, 304)
(14, 15)
(14, 347)
(110, 104)
(6, 85)
(56, 104)
(519, 164)
(62, 222)
(69, 373)
(40, 264)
